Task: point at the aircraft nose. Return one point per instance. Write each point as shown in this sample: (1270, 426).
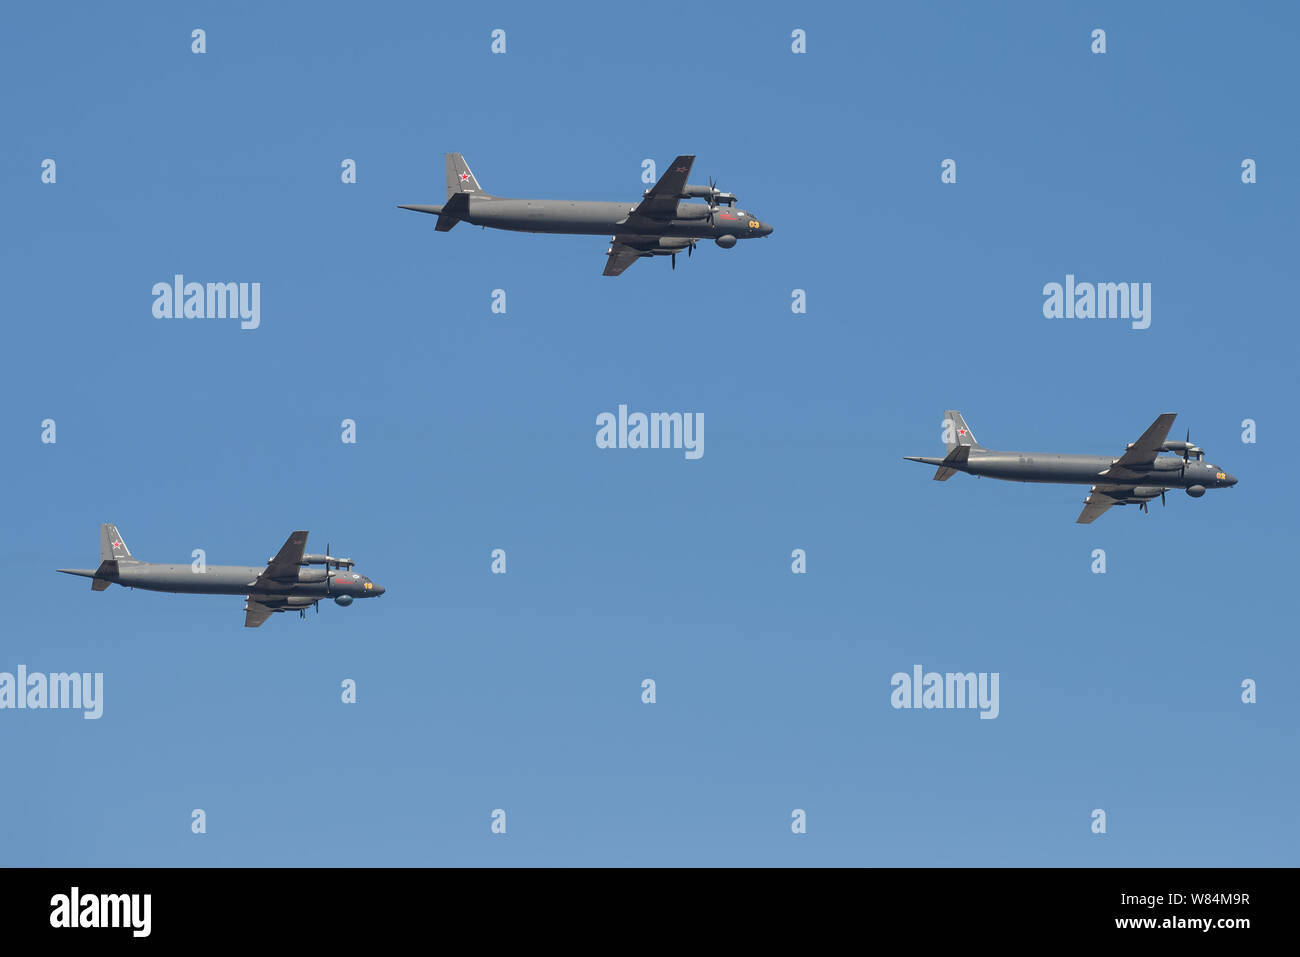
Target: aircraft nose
(765, 229)
(1230, 481)
(378, 590)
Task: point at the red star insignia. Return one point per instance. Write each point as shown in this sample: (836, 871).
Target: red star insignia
(464, 177)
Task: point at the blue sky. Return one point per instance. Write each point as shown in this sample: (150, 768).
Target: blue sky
(477, 431)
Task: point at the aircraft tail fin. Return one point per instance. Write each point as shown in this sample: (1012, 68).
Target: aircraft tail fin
(459, 177)
(956, 433)
(111, 546)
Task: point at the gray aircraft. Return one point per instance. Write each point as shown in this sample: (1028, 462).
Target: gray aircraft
(1135, 478)
(660, 225)
(288, 582)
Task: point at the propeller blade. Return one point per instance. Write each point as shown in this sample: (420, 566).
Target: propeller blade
(1162, 498)
(674, 258)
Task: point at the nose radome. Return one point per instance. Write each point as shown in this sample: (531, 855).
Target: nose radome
(378, 590)
(765, 229)
(1232, 480)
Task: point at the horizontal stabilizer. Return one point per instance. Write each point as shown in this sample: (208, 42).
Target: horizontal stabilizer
(453, 211)
(959, 456)
(101, 577)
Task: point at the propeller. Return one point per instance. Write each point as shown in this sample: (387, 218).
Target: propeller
(329, 575)
(690, 248)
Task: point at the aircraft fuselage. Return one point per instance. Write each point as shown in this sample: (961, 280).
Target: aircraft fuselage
(235, 580)
(581, 217)
(1168, 471)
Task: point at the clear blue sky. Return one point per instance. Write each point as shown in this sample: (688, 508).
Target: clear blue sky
(477, 431)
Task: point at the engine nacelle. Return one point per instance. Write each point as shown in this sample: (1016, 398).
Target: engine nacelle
(327, 560)
(311, 576)
(727, 241)
(1188, 449)
(689, 212)
(671, 244)
(714, 195)
(1144, 493)
(1196, 491)
(343, 600)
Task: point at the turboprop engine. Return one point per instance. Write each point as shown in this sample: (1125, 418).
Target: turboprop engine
(327, 560)
(668, 245)
(1144, 493)
(715, 196)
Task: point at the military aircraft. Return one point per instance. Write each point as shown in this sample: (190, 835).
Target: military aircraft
(287, 583)
(660, 225)
(1136, 477)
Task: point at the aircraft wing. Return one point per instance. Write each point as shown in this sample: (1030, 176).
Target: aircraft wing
(1143, 454)
(286, 563)
(1099, 500)
(256, 613)
(622, 254)
(661, 202)
(264, 606)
